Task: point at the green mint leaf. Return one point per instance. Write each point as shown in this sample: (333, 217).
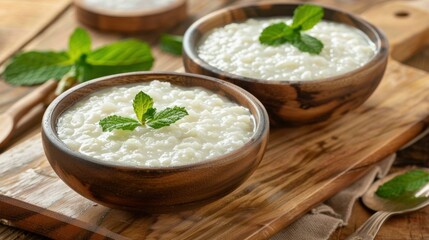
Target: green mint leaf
(406, 183)
(149, 113)
(79, 43)
(277, 34)
(87, 71)
(166, 117)
(307, 43)
(141, 104)
(306, 16)
(110, 123)
(31, 68)
(171, 44)
(123, 53)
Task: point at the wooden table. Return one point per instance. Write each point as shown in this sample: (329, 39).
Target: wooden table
(46, 24)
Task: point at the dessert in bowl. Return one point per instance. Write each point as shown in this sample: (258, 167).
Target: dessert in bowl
(296, 87)
(195, 160)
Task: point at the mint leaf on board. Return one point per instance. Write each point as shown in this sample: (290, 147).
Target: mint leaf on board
(123, 53)
(79, 43)
(34, 67)
(306, 16)
(141, 104)
(277, 34)
(406, 183)
(113, 122)
(87, 71)
(307, 43)
(171, 44)
(166, 117)
(31, 68)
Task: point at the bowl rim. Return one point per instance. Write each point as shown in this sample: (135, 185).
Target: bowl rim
(130, 14)
(260, 130)
(190, 50)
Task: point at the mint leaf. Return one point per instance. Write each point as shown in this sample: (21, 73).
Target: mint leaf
(406, 183)
(110, 123)
(277, 34)
(171, 44)
(33, 67)
(307, 43)
(141, 104)
(123, 53)
(166, 117)
(306, 16)
(79, 44)
(88, 72)
(146, 114)
(149, 113)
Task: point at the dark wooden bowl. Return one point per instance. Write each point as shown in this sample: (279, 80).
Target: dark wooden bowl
(154, 189)
(294, 102)
(131, 21)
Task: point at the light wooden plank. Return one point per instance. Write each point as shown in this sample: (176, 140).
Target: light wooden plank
(22, 20)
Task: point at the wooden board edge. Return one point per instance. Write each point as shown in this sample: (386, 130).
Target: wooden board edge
(35, 219)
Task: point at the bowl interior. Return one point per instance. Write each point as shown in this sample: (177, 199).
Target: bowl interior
(232, 92)
(197, 31)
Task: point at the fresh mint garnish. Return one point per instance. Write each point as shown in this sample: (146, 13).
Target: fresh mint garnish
(141, 104)
(406, 183)
(171, 44)
(165, 117)
(110, 123)
(304, 18)
(79, 62)
(309, 44)
(145, 114)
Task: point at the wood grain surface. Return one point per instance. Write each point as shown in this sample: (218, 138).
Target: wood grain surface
(24, 19)
(55, 37)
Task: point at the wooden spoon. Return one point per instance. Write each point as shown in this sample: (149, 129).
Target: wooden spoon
(10, 118)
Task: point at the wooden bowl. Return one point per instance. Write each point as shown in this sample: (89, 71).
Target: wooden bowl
(294, 102)
(154, 189)
(126, 21)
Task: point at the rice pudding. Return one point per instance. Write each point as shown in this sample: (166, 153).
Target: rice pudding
(215, 126)
(235, 48)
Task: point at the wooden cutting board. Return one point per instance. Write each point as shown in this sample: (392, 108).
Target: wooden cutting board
(301, 168)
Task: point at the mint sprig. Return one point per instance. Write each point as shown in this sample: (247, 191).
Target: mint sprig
(110, 123)
(78, 62)
(171, 44)
(146, 115)
(305, 17)
(165, 117)
(403, 184)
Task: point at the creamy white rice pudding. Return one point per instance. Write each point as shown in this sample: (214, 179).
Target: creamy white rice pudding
(215, 126)
(235, 48)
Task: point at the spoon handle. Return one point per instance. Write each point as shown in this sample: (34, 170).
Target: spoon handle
(370, 228)
(25, 104)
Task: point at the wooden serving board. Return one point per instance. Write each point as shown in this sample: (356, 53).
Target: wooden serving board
(301, 168)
